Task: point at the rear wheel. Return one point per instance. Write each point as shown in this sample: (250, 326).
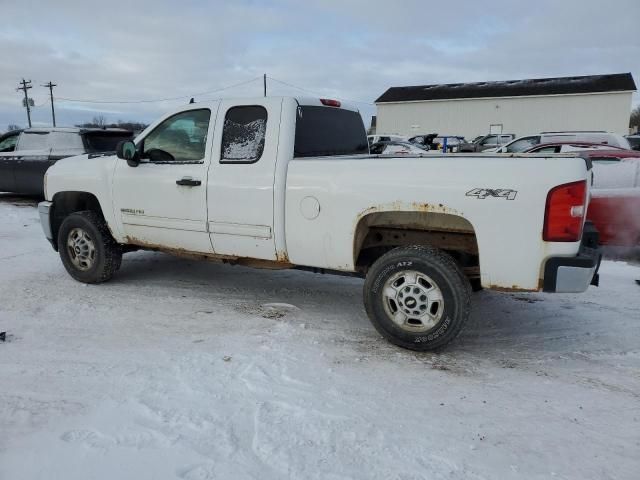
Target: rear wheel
(417, 297)
(87, 250)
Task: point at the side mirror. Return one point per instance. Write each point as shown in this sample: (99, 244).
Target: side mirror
(126, 150)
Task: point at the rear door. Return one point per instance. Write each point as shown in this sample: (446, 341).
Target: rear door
(240, 192)
(7, 161)
(61, 145)
(32, 161)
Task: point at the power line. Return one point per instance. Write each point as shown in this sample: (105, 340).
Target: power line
(161, 99)
(26, 85)
(315, 93)
(50, 87)
(208, 92)
(294, 86)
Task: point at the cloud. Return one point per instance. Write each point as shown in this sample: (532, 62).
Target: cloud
(352, 50)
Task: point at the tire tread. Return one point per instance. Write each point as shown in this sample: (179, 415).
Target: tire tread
(111, 249)
(459, 283)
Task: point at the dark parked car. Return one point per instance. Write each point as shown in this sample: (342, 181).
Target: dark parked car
(487, 142)
(634, 141)
(25, 155)
(424, 141)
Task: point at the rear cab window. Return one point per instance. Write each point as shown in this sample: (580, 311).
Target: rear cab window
(243, 134)
(325, 131)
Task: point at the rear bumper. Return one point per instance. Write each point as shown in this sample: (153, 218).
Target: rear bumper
(44, 210)
(575, 274)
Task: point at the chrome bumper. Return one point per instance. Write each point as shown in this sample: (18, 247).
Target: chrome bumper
(575, 274)
(44, 209)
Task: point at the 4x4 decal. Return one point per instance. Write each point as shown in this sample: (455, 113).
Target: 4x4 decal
(483, 193)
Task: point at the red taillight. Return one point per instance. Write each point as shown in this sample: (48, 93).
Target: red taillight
(329, 102)
(564, 214)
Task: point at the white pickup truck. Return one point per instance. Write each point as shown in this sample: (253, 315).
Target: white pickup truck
(282, 182)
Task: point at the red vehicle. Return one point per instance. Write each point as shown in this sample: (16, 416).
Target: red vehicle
(615, 196)
(609, 151)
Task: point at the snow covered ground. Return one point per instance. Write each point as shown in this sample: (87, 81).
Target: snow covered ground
(180, 369)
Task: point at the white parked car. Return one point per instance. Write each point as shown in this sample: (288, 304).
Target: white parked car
(525, 143)
(385, 138)
(282, 182)
(396, 148)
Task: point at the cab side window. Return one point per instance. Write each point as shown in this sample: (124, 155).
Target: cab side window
(34, 141)
(181, 138)
(65, 141)
(243, 134)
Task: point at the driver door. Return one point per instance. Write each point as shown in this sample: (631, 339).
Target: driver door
(162, 202)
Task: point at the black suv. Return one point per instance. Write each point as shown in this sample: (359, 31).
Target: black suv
(25, 155)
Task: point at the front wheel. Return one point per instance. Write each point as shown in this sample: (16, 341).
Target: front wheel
(417, 297)
(87, 250)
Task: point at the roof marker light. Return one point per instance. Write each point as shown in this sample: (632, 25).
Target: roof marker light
(329, 102)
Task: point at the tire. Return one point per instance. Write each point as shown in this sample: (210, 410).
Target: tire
(426, 292)
(87, 250)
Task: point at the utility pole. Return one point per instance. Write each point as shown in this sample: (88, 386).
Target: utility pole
(264, 79)
(50, 87)
(26, 85)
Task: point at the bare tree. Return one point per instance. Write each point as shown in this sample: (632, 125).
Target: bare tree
(99, 121)
(634, 121)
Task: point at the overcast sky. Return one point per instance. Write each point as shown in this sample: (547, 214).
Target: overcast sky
(148, 49)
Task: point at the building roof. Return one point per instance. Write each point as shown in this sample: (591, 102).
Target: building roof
(618, 82)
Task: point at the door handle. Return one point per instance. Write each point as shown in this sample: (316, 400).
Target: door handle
(188, 182)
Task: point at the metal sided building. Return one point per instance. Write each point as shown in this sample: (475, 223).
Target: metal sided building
(522, 107)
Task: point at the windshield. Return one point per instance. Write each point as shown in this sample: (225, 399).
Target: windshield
(8, 144)
(522, 144)
(324, 131)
